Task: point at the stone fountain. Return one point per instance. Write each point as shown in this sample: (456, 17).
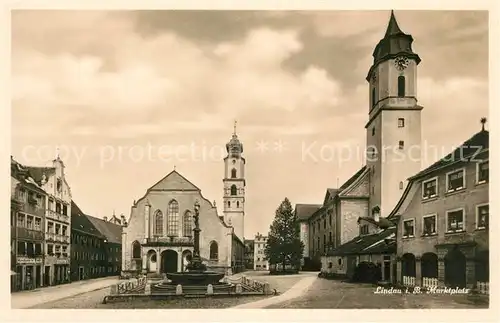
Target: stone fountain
(196, 278)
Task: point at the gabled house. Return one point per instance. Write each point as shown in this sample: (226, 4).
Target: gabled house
(443, 220)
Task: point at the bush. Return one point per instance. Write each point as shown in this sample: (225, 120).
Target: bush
(367, 272)
(311, 264)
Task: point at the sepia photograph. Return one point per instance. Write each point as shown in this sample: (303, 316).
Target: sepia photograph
(249, 159)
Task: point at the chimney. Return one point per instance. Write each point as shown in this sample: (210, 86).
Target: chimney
(105, 218)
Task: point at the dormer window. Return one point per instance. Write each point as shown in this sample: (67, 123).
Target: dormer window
(363, 229)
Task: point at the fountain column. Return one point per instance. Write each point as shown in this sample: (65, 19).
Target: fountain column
(147, 208)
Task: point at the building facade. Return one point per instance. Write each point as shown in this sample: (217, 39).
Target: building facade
(58, 221)
(158, 237)
(27, 230)
(112, 245)
(260, 262)
(443, 220)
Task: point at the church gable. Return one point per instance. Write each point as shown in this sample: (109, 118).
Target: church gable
(359, 187)
(174, 182)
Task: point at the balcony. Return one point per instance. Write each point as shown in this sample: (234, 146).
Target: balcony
(31, 209)
(27, 234)
(56, 237)
(50, 214)
(170, 241)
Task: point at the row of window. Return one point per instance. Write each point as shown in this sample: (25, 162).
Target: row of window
(56, 228)
(325, 244)
(86, 241)
(173, 221)
(317, 223)
(29, 249)
(57, 250)
(29, 222)
(455, 222)
(84, 255)
(455, 180)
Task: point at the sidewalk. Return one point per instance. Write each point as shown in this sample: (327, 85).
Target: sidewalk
(295, 291)
(30, 298)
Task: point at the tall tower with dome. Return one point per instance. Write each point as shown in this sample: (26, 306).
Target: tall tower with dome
(234, 185)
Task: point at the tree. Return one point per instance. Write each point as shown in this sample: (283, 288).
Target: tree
(283, 243)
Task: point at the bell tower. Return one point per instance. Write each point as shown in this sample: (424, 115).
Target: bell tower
(393, 130)
(234, 185)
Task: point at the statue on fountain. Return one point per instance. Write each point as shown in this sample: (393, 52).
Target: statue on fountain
(195, 264)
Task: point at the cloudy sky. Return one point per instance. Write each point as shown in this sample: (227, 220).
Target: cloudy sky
(127, 95)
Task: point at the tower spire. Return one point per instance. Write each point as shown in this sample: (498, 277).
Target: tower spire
(234, 131)
(393, 27)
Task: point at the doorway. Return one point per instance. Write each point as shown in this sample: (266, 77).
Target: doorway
(38, 276)
(80, 273)
(454, 269)
(169, 261)
(387, 271)
(46, 276)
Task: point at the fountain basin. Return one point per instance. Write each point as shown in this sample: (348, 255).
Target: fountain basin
(195, 278)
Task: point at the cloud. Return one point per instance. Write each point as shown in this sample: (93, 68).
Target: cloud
(173, 78)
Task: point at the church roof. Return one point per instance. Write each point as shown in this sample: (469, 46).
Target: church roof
(394, 43)
(174, 182)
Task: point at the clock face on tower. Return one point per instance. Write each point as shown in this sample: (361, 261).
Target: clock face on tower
(401, 63)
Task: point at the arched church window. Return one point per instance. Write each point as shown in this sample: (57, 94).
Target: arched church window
(228, 203)
(233, 173)
(187, 225)
(173, 218)
(401, 86)
(214, 251)
(158, 223)
(136, 250)
(233, 189)
(237, 203)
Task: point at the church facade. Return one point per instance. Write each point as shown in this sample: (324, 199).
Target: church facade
(158, 238)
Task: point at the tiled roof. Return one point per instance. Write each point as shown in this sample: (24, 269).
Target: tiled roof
(352, 179)
(366, 244)
(112, 232)
(304, 211)
(468, 149)
(81, 222)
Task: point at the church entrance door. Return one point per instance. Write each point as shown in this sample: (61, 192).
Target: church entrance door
(169, 261)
